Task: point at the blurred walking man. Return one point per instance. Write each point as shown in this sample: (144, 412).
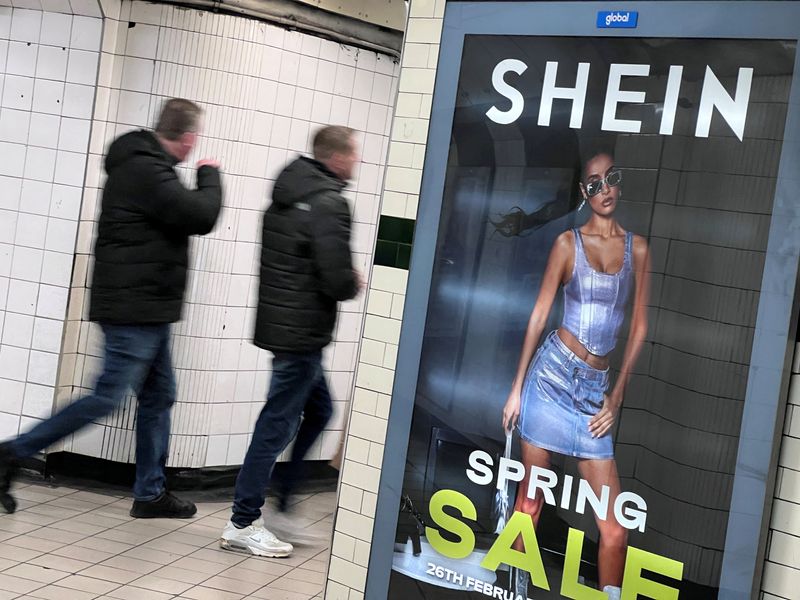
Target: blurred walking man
(306, 269)
(138, 285)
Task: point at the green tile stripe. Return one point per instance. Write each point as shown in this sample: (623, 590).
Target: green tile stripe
(395, 236)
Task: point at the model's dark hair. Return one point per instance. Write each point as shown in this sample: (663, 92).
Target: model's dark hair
(332, 139)
(589, 148)
(178, 116)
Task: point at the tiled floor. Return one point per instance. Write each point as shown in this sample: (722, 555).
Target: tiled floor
(68, 544)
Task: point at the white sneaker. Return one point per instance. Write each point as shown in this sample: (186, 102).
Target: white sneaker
(613, 592)
(254, 539)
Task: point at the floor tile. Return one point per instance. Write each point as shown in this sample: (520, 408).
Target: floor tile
(206, 593)
(36, 573)
(8, 583)
(160, 584)
(111, 574)
(87, 584)
(68, 544)
(56, 592)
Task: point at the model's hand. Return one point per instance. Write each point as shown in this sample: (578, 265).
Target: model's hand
(511, 410)
(208, 162)
(604, 420)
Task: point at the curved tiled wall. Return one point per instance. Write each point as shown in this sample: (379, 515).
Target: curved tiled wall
(265, 90)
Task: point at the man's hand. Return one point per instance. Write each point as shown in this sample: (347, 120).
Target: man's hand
(208, 162)
(361, 283)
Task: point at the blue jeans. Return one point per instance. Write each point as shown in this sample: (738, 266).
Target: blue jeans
(136, 357)
(297, 390)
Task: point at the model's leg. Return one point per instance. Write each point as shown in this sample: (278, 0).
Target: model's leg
(613, 536)
(538, 457)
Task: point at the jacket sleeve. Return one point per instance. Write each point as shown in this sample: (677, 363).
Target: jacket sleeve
(171, 206)
(330, 241)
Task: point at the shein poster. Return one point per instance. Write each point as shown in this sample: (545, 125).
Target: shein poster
(589, 329)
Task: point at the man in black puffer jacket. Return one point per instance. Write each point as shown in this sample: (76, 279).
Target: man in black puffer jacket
(306, 269)
(138, 284)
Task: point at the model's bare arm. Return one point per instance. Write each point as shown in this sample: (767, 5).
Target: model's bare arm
(602, 422)
(557, 264)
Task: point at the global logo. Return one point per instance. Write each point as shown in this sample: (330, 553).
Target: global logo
(617, 18)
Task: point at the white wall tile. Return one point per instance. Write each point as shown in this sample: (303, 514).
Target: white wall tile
(18, 92)
(12, 188)
(13, 362)
(47, 335)
(12, 393)
(14, 125)
(56, 268)
(82, 67)
(217, 452)
(61, 235)
(5, 20)
(142, 41)
(31, 230)
(52, 62)
(44, 130)
(22, 296)
(21, 59)
(86, 33)
(12, 161)
(38, 401)
(40, 164)
(78, 100)
(55, 30)
(48, 96)
(27, 263)
(35, 197)
(8, 222)
(137, 74)
(4, 282)
(17, 330)
(42, 368)
(52, 302)
(70, 168)
(74, 135)
(65, 202)
(25, 25)
(9, 425)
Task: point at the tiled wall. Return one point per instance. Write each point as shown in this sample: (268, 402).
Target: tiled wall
(355, 515)
(782, 567)
(48, 62)
(265, 91)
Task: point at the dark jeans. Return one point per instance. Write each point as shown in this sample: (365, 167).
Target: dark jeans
(136, 357)
(298, 389)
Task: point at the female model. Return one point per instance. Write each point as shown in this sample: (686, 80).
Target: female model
(559, 400)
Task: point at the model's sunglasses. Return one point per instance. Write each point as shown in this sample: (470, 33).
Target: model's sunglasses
(613, 179)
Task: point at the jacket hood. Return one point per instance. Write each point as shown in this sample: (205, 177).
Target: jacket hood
(133, 144)
(303, 178)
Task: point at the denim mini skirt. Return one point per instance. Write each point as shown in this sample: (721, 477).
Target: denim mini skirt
(560, 396)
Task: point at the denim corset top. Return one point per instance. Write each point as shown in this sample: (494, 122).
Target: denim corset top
(594, 302)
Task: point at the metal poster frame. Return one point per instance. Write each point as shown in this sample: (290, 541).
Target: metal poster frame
(773, 342)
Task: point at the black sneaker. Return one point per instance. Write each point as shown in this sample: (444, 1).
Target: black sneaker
(9, 465)
(166, 506)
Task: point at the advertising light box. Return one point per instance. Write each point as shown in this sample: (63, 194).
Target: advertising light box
(601, 306)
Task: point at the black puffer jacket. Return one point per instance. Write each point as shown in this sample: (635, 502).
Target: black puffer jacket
(141, 252)
(306, 265)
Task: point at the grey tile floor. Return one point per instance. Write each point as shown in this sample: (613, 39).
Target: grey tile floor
(71, 544)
